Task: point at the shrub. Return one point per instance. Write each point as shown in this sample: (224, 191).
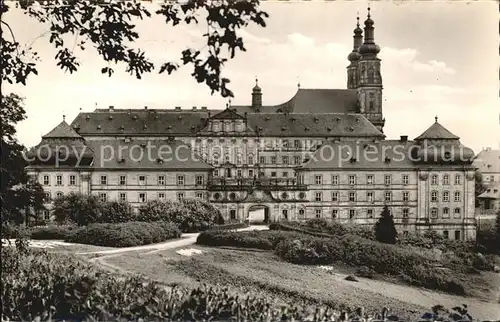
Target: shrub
(325, 227)
(77, 208)
(191, 215)
(12, 231)
(385, 231)
(365, 271)
(125, 234)
(53, 232)
(230, 226)
(266, 240)
(116, 212)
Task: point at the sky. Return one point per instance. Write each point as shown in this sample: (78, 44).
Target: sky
(438, 59)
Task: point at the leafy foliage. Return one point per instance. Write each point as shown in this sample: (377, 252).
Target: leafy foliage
(125, 234)
(110, 27)
(116, 212)
(77, 208)
(20, 197)
(385, 231)
(189, 215)
(55, 232)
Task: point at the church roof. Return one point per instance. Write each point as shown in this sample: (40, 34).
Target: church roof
(62, 130)
(437, 131)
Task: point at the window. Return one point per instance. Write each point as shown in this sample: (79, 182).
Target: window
(446, 179)
(285, 174)
(239, 173)
(142, 180)
(335, 179)
(318, 179)
(434, 212)
(142, 197)
(388, 196)
(227, 158)
(456, 213)
(273, 159)
(352, 196)
(180, 196)
(72, 180)
(446, 196)
(296, 144)
(47, 197)
(434, 196)
(369, 196)
(335, 213)
(406, 213)
(369, 213)
(199, 180)
(457, 179)
(46, 214)
(406, 196)
(46, 180)
(335, 196)
(238, 159)
(318, 213)
(103, 196)
(59, 194)
(232, 214)
(302, 213)
(457, 196)
(445, 234)
(296, 159)
(405, 233)
(492, 178)
(352, 179)
(285, 214)
(262, 159)
(161, 180)
(387, 179)
(369, 179)
(250, 173)
(446, 212)
(273, 174)
(318, 196)
(122, 196)
(59, 180)
(180, 180)
(123, 180)
(250, 159)
(406, 179)
(161, 195)
(352, 213)
(199, 195)
(457, 235)
(285, 144)
(216, 172)
(285, 160)
(434, 179)
(104, 180)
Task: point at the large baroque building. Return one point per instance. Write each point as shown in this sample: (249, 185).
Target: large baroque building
(321, 154)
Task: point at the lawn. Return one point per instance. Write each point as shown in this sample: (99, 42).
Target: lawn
(259, 272)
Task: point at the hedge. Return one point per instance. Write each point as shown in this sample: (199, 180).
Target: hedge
(125, 234)
(62, 232)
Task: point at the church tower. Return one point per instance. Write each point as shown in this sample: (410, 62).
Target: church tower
(370, 79)
(354, 57)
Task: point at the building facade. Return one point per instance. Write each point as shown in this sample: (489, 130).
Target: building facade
(487, 163)
(321, 154)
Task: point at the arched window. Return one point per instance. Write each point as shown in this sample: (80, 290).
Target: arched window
(302, 213)
(232, 214)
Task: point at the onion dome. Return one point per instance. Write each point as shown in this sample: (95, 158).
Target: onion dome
(438, 145)
(256, 88)
(369, 48)
(358, 37)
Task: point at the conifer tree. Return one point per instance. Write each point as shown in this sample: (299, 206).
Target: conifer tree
(385, 231)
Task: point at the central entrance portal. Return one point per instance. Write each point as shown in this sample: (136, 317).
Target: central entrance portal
(258, 214)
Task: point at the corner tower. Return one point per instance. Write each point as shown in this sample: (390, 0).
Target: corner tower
(370, 79)
(354, 57)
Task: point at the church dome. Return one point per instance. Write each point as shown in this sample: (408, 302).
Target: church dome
(354, 56)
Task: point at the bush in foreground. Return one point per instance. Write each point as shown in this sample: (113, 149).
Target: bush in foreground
(77, 208)
(116, 212)
(63, 232)
(47, 286)
(125, 234)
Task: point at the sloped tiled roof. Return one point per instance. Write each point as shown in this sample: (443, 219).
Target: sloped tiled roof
(387, 154)
(491, 193)
(308, 100)
(228, 114)
(162, 154)
(62, 130)
(437, 131)
(488, 161)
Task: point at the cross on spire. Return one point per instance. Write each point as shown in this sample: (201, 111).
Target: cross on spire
(436, 118)
(369, 11)
(256, 81)
(357, 19)
(64, 117)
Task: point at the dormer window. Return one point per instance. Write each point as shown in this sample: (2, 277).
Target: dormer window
(98, 127)
(159, 160)
(316, 119)
(387, 160)
(134, 117)
(121, 160)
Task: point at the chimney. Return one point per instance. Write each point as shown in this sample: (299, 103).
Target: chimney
(203, 108)
(177, 108)
(404, 138)
(145, 107)
(194, 108)
(111, 108)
